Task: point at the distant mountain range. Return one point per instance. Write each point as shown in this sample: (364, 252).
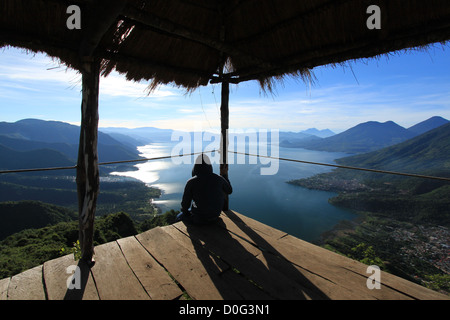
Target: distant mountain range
(366, 137)
(325, 133)
(33, 143)
(141, 136)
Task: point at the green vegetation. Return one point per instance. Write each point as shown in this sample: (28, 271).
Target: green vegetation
(31, 247)
(16, 216)
(75, 250)
(366, 254)
(438, 282)
(117, 194)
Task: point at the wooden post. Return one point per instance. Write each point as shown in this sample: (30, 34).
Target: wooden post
(87, 166)
(224, 123)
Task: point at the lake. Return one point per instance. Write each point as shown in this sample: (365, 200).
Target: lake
(298, 211)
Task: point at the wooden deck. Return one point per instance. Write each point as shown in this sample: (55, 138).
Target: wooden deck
(239, 258)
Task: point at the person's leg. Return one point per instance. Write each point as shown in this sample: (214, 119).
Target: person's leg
(186, 217)
(199, 220)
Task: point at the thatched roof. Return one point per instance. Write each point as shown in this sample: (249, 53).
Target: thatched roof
(191, 42)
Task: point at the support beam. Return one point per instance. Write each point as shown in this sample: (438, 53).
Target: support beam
(87, 166)
(224, 124)
(100, 16)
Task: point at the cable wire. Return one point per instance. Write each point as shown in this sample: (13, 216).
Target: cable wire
(243, 153)
(101, 163)
(348, 167)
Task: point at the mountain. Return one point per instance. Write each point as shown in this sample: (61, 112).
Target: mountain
(424, 153)
(129, 140)
(17, 216)
(292, 139)
(40, 158)
(325, 133)
(144, 135)
(34, 134)
(364, 137)
(40, 130)
(428, 125)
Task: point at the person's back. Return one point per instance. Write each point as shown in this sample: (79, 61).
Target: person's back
(206, 191)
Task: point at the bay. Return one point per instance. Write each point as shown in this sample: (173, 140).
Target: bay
(301, 212)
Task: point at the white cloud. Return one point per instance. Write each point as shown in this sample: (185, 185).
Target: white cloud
(37, 72)
(116, 85)
(337, 106)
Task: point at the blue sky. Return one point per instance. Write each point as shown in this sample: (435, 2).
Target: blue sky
(404, 87)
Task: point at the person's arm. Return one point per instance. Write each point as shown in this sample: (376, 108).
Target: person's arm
(187, 198)
(227, 188)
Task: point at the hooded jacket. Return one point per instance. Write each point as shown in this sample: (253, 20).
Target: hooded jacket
(205, 190)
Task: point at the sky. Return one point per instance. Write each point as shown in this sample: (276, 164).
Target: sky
(406, 87)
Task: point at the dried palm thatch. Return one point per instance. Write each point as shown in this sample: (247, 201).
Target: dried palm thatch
(189, 43)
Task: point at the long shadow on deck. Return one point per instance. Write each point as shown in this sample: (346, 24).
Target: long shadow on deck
(265, 271)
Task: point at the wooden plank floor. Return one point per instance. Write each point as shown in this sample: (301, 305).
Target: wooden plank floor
(237, 258)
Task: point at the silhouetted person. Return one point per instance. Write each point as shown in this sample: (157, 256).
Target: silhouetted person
(206, 192)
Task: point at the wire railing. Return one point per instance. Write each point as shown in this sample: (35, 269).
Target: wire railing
(100, 163)
(242, 153)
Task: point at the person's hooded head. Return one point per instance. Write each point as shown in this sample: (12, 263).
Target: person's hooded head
(202, 165)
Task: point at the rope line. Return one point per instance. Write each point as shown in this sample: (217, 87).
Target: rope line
(243, 153)
(102, 163)
(348, 167)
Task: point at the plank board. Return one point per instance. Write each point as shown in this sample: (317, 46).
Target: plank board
(58, 271)
(252, 224)
(348, 274)
(156, 281)
(246, 289)
(113, 276)
(27, 285)
(238, 225)
(393, 287)
(317, 261)
(197, 273)
(260, 268)
(195, 245)
(238, 282)
(4, 284)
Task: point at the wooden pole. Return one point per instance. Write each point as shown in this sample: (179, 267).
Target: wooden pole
(224, 123)
(87, 166)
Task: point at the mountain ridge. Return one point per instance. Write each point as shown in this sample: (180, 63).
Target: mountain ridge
(428, 125)
(428, 151)
(34, 134)
(369, 136)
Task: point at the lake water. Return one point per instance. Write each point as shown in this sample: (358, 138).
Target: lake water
(300, 212)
